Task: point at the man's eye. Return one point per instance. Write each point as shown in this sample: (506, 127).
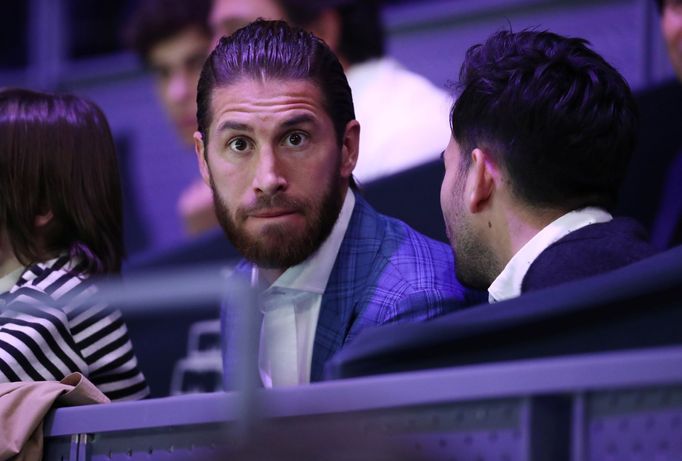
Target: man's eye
(295, 139)
(238, 145)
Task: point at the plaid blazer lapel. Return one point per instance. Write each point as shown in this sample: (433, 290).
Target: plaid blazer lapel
(346, 284)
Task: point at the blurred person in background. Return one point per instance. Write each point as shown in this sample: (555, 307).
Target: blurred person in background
(652, 189)
(229, 15)
(403, 115)
(173, 38)
(278, 142)
(543, 129)
(667, 229)
(60, 227)
(671, 24)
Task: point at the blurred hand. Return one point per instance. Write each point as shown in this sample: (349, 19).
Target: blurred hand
(195, 206)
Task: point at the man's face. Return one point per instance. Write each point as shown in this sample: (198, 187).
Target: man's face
(473, 258)
(277, 172)
(671, 23)
(176, 63)
(229, 15)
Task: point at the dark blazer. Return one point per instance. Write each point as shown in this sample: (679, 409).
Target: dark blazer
(385, 272)
(589, 251)
(636, 306)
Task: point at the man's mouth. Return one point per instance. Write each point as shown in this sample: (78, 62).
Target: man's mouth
(272, 213)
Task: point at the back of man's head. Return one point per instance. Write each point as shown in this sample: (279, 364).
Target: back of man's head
(266, 50)
(155, 21)
(554, 114)
(361, 32)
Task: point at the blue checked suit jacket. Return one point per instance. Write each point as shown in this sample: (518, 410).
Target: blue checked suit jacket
(385, 272)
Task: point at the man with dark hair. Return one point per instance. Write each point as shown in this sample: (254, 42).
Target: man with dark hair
(278, 142)
(542, 132)
(173, 38)
(403, 114)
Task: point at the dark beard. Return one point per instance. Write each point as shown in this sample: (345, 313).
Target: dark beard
(278, 248)
(476, 265)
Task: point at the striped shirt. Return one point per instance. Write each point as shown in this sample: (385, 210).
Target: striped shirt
(50, 327)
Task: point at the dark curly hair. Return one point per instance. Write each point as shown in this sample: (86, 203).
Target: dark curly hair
(557, 117)
(155, 21)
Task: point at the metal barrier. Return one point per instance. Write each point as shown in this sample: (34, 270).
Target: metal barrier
(618, 405)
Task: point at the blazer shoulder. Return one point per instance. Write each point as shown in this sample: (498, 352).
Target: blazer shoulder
(589, 251)
(417, 261)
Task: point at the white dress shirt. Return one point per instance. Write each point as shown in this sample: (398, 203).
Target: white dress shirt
(404, 118)
(291, 307)
(507, 285)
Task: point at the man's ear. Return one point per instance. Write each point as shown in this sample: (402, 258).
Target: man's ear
(483, 177)
(200, 151)
(350, 148)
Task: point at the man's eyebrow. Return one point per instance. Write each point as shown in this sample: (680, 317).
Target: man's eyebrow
(297, 120)
(230, 125)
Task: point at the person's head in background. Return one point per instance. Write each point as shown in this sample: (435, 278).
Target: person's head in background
(542, 125)
(60, 190)
(227, 16)
(173, 38)
(351, 28)
(671, 24)
(277, 140)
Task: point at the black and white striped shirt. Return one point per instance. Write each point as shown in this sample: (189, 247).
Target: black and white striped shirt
(50, 327)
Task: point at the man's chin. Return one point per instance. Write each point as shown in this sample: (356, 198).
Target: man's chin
(275, 246)
(276, 255)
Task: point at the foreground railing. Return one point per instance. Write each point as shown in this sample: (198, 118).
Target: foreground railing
(619, 405)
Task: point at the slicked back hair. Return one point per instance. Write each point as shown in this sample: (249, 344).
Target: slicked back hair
(266, 50)
(555, 115)
(57, 156)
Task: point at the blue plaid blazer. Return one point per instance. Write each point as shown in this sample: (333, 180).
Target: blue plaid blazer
(385, 272)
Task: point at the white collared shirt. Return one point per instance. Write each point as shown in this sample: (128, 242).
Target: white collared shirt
(401, 113)
(507, 285)
(291, 309)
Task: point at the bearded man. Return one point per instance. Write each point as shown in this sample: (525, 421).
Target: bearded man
(277, 143)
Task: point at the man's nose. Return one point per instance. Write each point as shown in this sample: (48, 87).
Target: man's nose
(269, 177)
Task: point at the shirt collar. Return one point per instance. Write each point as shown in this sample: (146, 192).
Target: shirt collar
(312, 274)
(508, 284)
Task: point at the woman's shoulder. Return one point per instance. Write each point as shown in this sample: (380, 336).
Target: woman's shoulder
(55, 277)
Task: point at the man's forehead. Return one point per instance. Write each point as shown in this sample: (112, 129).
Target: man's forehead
(266, 97)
